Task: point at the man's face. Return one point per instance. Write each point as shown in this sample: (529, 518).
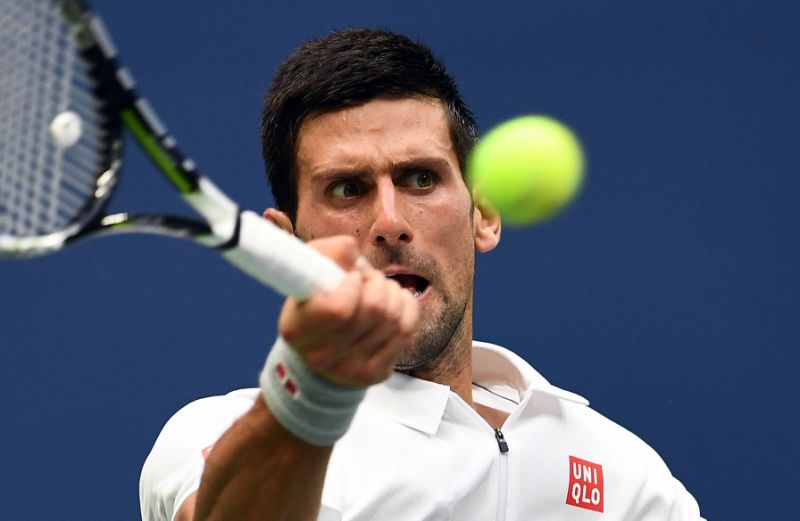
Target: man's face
(386, 172)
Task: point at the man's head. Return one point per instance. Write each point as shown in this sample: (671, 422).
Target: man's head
(345, 69)
(366, 136)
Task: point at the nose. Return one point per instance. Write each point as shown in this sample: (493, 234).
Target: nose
(390, 226)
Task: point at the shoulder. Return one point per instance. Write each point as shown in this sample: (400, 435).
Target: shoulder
(231, 405)
(586, 449)
(202, 422)
(172, 470)
(632, 474)
(608, 433)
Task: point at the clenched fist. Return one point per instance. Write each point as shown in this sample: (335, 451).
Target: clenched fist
(352, 335)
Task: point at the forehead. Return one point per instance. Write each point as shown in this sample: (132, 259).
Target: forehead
(377, 132)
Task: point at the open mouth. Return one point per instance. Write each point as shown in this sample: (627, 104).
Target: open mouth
(413, 283)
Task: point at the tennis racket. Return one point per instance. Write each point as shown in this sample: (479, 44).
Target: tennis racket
(65, 103)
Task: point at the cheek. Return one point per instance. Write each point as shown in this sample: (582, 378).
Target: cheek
(319, 222)
(451, 230)
(454, 220)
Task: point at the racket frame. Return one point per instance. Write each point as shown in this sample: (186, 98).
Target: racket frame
(248, 241)
(124, 108)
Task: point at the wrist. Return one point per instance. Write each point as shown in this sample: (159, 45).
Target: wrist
(310, 407)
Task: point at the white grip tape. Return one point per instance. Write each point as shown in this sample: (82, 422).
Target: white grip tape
(281, 260)
(313, 409)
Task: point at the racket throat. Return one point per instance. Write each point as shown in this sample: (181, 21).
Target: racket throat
(220, 212)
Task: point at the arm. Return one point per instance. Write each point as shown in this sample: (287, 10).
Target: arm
(259, 468)
(351, 337)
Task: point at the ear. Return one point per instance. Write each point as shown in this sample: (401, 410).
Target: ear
(486, 225)
(279, 218)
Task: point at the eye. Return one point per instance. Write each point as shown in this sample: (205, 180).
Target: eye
(419, 179)
(346, 189)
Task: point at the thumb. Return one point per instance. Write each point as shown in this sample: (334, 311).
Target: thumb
(342, 249)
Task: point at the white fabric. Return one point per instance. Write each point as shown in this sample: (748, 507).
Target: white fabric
(417, 451)
(313, 409)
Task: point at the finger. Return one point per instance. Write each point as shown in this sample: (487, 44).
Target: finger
(343, 249)
(372, 360)
(304, 323)
(374, 304)
(375, 320)
(338, 328)
(362, 264)
(387, 319)
(369, 327)
(381, 362)
(410, 314)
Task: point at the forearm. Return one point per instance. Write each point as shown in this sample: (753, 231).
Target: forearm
(342, 342)
(259, 470)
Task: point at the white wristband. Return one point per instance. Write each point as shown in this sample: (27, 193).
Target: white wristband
(311, 408)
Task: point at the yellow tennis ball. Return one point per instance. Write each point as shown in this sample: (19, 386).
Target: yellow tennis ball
(528, 168)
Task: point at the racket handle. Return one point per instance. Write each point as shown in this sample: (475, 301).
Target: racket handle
(281, 260)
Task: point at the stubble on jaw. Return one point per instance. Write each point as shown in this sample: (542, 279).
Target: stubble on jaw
(434, 340)
(441, 348)
(450, 359)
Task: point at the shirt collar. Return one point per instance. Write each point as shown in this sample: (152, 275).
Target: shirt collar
(495, 365)
(415, 403)
(420, 404)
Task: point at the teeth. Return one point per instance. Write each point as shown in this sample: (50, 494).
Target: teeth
(414, 291)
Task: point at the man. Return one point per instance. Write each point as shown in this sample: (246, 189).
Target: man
(365, 138)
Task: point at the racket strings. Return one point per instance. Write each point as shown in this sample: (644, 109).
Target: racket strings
(45, 184)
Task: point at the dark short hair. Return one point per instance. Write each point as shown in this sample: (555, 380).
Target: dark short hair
(345, 69)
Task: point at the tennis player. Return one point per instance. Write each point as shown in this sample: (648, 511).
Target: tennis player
(375, 403)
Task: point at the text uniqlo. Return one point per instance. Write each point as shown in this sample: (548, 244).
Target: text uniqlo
(585, 484)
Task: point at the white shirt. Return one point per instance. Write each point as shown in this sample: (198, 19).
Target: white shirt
(417, 451)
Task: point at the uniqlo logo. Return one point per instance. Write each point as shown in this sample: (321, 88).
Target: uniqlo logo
(585, 484)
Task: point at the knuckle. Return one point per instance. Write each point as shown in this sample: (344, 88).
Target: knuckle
(290, 332)
(409, 325)
(373, 306)
(338, 311)
(404, 332)
(369, 375)
(348, 241)
(336, 307)
(345, 370)
(394, 315)
(375, 367)
(318, 358)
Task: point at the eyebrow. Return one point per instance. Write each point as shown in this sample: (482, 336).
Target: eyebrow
(433, 163)
(329, 174)
(359, 171)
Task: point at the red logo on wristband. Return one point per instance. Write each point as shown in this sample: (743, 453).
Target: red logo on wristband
(585, 484)
(287, 382)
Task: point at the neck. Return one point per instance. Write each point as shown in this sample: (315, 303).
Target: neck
(454, 366)
(454, 369)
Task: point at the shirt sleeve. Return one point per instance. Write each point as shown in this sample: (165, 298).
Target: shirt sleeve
(172, 470)
(639, 485)
(662, 496)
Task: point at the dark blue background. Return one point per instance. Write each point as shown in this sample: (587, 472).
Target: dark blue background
(667, 294)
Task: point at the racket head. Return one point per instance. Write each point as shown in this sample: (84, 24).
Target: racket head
(60, 125)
